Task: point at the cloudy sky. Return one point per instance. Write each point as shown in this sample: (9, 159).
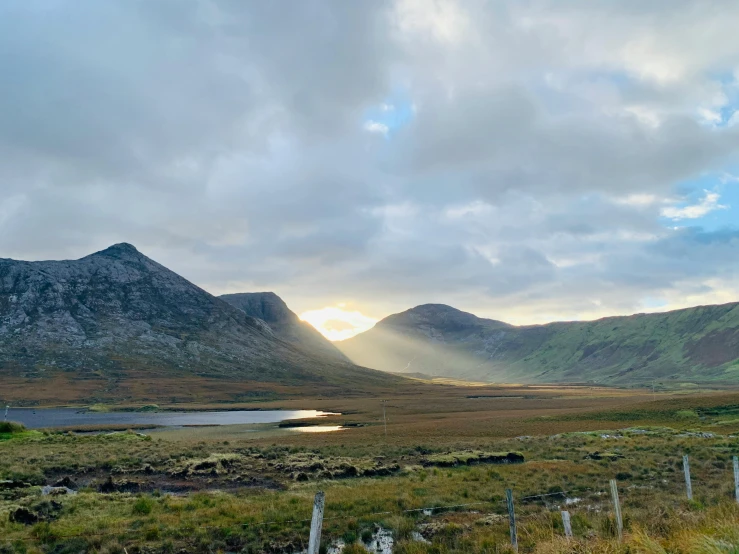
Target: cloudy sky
(526, 160)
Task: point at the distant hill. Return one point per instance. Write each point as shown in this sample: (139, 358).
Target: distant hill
(271, 309)
(118, 315)
(692, 345)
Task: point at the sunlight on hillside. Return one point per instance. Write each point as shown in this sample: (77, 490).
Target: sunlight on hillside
(336, 323)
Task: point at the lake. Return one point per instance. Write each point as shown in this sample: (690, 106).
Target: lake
(73, 417)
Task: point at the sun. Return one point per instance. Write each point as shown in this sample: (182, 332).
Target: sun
(335, 323)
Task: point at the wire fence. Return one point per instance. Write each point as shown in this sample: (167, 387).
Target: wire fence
(566, 497)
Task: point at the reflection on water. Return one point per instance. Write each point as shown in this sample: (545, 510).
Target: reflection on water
(319, 429)
(70, 417)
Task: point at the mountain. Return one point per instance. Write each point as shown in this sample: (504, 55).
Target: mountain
(697, 345)
(119, 315)
(271, 309)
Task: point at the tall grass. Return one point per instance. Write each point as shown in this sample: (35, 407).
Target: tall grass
(11, 427)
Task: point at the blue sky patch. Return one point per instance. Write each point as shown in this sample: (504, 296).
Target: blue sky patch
(394, 112)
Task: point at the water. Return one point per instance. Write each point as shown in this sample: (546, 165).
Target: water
(318, 429)
(71, 417)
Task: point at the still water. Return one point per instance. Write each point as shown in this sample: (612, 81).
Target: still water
(71, 417)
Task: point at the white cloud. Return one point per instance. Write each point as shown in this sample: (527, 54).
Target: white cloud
(709, 116)
(376, 127)
(708, 204)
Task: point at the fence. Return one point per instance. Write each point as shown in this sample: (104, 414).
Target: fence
(317, 519)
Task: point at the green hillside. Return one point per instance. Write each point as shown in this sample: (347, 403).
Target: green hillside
(697, 345)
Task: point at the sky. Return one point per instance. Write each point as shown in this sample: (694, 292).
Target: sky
(524, 160)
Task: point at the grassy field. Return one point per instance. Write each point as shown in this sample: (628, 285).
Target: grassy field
(250, 488)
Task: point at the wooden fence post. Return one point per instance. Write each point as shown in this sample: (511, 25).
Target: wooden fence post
(686, 470)
(314, 544)
(736, 477)
(567, 524)
(512, 519)
(617, 510)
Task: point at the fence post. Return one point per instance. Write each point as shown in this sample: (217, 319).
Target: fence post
(686, 469)
(617, 510)
(736, 477)
(512, 519)
(314, 544)
(567, 524)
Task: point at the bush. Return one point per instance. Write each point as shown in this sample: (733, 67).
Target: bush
(143, 506)
(11, 427)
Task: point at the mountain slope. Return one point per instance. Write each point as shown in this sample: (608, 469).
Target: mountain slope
(271, 309)
(120, 315)
(696, 345)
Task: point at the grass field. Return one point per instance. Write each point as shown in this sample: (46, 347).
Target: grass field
(250, 488)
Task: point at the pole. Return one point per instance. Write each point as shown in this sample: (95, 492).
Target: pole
(736, 478)
(686, 469)
(314, 543)
(6, 413)
(384, 417)
(567, 523)
(512, 519)
(617, 510)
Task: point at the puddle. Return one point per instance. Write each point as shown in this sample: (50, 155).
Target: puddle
(318, 429)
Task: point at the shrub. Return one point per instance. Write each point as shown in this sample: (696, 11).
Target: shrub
(142, 506)
(11, 427)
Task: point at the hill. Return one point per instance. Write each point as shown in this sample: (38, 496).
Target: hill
(118, 316)
(697, 345)
(271, 309)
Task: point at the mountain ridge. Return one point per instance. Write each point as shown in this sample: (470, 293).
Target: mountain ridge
(286, 324)
(699, 344)
(117, 314)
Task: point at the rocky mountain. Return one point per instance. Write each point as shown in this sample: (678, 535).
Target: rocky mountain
(692, 345)
(285, 323)
(120, 315)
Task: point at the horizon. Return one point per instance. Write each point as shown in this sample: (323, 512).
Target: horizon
(333, 321)
(527, 162)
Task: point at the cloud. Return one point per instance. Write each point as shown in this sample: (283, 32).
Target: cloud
(376, 127)
(708, 204)
(532, 149)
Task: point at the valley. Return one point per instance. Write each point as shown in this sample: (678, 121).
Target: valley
(434, 482)
(160, 418)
